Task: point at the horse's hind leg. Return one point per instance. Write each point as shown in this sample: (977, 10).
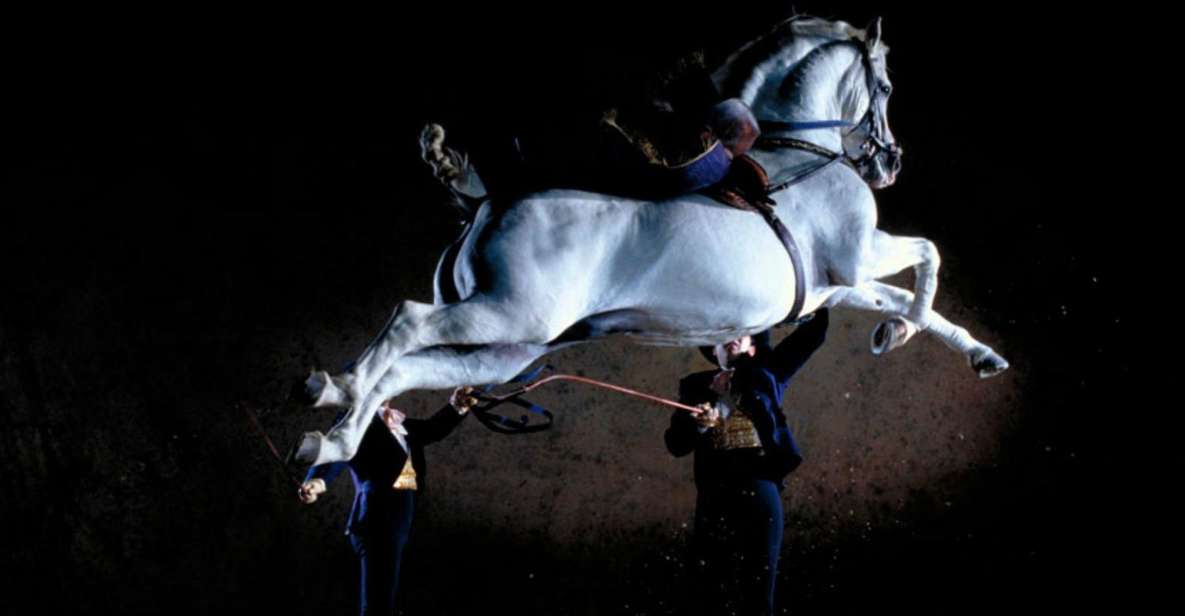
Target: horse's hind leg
(323, 390)
(433, 368)
(891, 300)
(415, 326)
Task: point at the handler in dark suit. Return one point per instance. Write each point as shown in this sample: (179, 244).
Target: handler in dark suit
(388, 470)
(743, 452)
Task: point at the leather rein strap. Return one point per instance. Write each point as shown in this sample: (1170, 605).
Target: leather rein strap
(498, 399)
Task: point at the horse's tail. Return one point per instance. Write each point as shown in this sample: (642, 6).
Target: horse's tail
(451, 167)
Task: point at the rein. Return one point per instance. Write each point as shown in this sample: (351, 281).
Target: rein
(496, 399)
(806, 146)
(522, 425)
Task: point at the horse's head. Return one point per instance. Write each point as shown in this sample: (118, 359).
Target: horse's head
(870, 143)
(824, 82)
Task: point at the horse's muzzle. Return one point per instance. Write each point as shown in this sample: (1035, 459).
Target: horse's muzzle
(880, 170)
(893, 160)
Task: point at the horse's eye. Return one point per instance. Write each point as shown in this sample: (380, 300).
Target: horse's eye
(886, 89)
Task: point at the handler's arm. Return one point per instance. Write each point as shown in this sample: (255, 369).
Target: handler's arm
(326, 472)
(445, 420)
(317, 480)
(793, 352)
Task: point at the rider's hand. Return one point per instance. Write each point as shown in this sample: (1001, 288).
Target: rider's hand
(463, 399)
(710, 416)
(310, 490)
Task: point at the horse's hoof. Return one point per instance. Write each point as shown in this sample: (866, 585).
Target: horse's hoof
(306, 450)
(321, 390)
(987, 363)
(891, 334)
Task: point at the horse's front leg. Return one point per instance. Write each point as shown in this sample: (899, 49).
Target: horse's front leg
(888, 255)
(890, 300)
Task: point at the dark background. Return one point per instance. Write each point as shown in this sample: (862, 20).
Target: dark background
(204, 204)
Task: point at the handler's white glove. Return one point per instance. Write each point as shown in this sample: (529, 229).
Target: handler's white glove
(310, 490)
(710, 418)
(462, 399)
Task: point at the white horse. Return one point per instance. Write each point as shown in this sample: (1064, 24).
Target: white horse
(564, 266)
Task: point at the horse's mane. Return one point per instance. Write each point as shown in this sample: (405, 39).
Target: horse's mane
(745, 71)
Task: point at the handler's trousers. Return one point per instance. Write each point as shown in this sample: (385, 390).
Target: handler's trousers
(738, 535)
(379, 545)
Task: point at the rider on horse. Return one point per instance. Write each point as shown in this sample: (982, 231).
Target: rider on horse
(680, 139)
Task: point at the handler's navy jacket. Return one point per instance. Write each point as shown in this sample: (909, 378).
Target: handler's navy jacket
(380, 458)
(760, 383)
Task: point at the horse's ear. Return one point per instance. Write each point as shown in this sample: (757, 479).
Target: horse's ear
(872, 34)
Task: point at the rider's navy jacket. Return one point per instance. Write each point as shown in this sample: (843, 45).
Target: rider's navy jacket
(760, 383)
(380, 458)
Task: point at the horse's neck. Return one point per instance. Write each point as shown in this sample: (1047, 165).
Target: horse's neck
(818, 98)
(810, 108)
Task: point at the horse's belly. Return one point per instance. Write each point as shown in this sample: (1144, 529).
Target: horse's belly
(668, 273)
(720, 274)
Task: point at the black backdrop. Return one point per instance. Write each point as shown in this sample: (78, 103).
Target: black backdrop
(205, 203)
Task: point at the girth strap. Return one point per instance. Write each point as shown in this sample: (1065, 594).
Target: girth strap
(747, 187)
(767, 212)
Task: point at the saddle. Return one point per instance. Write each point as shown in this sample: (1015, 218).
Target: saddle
(745, 187)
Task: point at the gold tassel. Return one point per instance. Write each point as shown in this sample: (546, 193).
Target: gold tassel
(736, 432)
(407, 477)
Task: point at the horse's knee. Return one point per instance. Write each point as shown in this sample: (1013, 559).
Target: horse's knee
(930, 254)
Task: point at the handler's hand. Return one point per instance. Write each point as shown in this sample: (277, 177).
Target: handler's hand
(310, 490)
(710, 417)
(463, 399)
